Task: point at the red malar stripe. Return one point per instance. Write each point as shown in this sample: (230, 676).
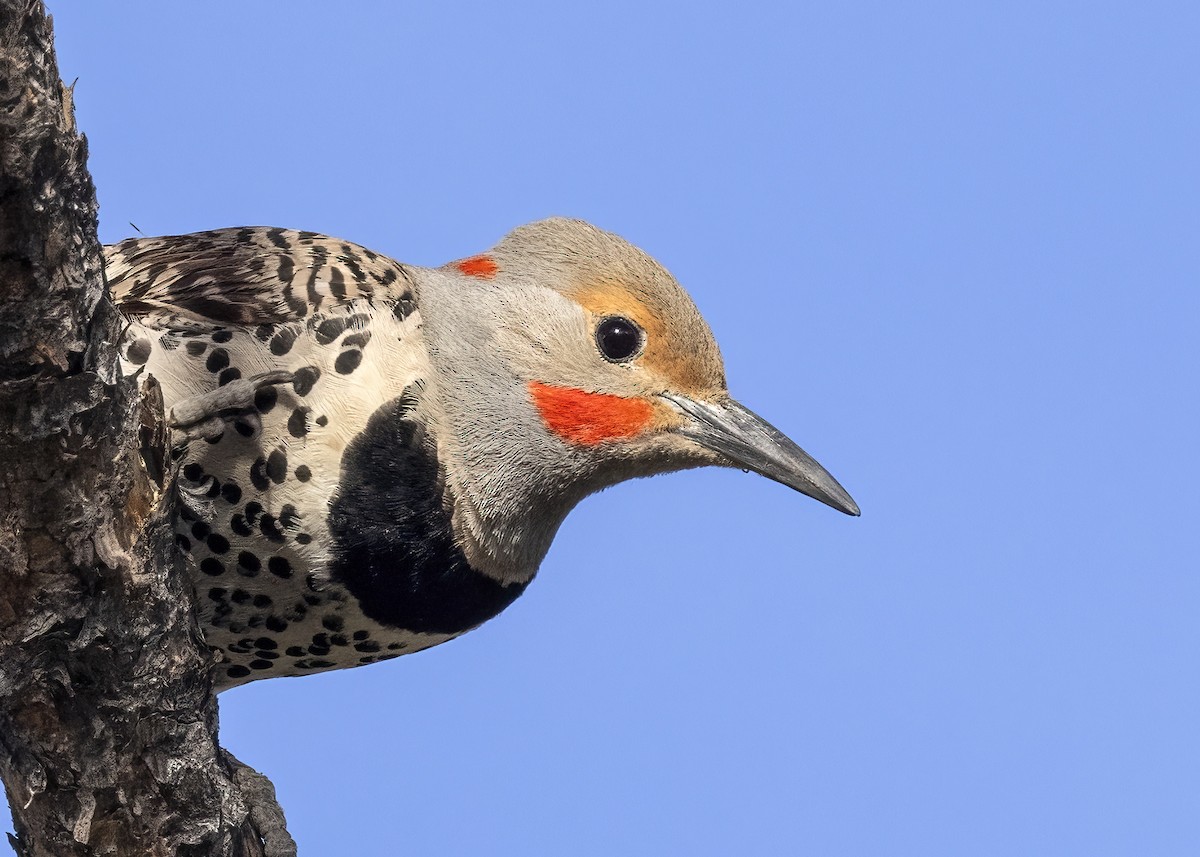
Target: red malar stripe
(589, 418)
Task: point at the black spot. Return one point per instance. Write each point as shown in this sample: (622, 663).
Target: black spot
(196, 347)
(258, 474)
(248, 564)
(261, 600)
(277, 466)
(265, 398)
(286, 269)
(265, 643)
(183, 541)
(193, 472)
(200, 530)
(288, 516)
(274, 623)
(321, 640)
(217, 543)
(138, 352)
(303, 538)
(282, 342)
(351, 263)
(330, 329)
(361, 635)
(227, 375)
(231, 493)
(304, 379)
(337, 282)
(404, 307)
(333, 623)
(212, 567)
(217, 593)
(322, 421)
(358, 340)
(253, 510)
(368, 646)
(276, 236)
(222, 335)
(218, 359)
(238, 524)
(215, 439)
(347, 361)
(238, 671)
(318, 650)
(395, 647)
(244, 428)
(295, 652)
(298, 422)
(240, 596)
(263, 332)
(268, 527)
(339, 640)
(279, 567)
(259, 664)
(303, 473)
(321, 664)
(404, 567)
(268, 655)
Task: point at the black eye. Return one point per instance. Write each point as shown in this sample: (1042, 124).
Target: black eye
(618, 338)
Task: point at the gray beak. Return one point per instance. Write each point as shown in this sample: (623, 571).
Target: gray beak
(752, 443)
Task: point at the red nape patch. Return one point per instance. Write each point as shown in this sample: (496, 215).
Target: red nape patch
(589, 418)
(483, 267)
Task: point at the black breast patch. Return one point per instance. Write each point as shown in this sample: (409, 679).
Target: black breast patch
(393, 547)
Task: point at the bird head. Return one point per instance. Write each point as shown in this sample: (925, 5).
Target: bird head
(569, 353)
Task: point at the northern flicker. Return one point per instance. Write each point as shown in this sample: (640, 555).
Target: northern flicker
(374, 457)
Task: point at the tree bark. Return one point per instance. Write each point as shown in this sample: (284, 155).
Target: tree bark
(108, 722)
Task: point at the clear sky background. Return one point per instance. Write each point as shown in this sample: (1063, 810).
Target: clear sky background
(951, 248)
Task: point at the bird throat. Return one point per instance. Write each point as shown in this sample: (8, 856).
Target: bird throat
(393, 543)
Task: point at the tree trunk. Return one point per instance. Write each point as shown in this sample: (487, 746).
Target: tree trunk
(108, 722)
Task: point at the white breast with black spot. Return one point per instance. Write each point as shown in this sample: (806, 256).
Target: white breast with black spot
(254, 500)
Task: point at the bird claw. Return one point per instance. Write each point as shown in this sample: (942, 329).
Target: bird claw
(205, 415)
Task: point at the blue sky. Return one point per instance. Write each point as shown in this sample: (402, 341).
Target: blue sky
(950, 248)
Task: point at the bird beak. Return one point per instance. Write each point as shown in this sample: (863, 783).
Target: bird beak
(751, 443)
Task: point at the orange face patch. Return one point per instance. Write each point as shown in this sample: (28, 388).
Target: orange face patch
(483, 267)
(589, 418)
(680, 355)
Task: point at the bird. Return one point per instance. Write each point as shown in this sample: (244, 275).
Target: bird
(372, 458)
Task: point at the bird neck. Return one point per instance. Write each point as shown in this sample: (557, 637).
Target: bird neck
(505, 507)
(507, 488)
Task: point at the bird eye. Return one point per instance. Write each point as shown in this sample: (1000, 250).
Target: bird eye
(618, 338)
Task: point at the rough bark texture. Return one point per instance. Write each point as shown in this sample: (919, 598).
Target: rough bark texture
(108, 722)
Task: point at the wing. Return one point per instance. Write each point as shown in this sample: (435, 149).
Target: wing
(250, 275)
